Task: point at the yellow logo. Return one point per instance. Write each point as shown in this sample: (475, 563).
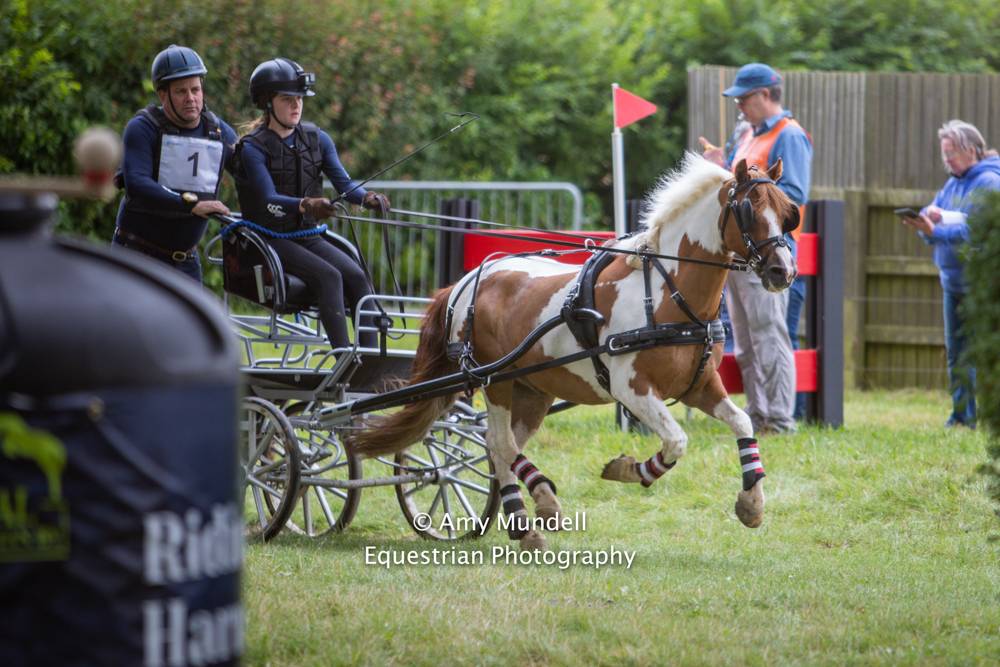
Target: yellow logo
(32, 529)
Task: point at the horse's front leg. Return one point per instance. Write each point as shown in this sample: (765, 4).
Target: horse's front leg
(504, 452)
(749, 501)
(713, 401)
(650, 409)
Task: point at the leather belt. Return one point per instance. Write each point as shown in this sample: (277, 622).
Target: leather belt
(128, 239)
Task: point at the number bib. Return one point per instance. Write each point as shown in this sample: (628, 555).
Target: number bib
(190, 164)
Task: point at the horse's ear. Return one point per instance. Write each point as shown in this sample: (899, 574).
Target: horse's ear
(741, 172)
(774, 173)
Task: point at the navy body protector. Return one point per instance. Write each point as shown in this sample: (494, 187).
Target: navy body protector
(297, 171)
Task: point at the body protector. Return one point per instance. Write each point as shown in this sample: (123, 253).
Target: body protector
(296, 171)
(187, 164)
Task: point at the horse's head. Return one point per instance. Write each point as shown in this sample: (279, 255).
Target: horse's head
(761, 215)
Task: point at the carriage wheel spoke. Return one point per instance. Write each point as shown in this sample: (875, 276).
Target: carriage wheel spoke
(469, 511)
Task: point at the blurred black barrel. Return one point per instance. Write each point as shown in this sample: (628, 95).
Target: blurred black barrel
(121, 534)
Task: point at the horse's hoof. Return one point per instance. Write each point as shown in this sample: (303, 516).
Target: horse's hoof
(621, 469)
(547, 505)
(750, 506)
(533, 541)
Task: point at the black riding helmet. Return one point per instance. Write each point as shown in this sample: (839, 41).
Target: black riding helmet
(176, 62)
(279, 76)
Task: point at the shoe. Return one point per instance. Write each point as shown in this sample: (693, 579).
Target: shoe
(953, 423)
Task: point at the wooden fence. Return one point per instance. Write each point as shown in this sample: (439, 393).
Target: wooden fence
(875, 147)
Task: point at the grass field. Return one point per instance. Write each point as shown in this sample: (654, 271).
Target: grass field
(875, 550)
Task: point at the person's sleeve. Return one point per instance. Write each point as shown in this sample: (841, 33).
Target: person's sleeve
(335, 171)
(140, 140)
(261, 185)
(950, 234)
(795, 151)
(229, 140)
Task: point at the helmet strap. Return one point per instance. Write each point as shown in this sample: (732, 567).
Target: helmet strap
(270, 112)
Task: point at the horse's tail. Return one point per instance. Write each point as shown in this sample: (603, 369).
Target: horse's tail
(395, 432)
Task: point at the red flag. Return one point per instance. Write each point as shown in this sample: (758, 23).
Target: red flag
(630, 108)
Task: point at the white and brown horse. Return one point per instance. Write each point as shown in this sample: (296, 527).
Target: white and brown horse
(700, 212)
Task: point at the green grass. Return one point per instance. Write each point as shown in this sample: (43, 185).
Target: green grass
(875, 550)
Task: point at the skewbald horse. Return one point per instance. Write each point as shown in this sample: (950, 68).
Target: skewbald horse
(689, 216)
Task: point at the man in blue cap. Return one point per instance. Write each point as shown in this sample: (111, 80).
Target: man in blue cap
(764, 323)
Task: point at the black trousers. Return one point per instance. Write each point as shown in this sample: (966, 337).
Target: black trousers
(333, 276)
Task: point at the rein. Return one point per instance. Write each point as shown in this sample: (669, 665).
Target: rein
(736, 265)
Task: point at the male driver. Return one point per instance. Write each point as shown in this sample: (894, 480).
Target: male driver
(763, 347)
(174, 156)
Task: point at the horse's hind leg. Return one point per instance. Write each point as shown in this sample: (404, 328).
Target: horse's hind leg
(503, 451)
(529, 408)
(713, 401)
(650, 409)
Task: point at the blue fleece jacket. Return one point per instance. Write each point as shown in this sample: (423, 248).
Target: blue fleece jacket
(959, 194)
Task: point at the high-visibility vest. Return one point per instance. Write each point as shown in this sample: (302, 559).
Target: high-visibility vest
(756, 149)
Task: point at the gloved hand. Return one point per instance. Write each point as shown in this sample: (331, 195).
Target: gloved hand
(376, 200)
(317, 207)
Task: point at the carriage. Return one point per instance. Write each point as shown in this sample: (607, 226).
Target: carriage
(299, 473)
(305, 402)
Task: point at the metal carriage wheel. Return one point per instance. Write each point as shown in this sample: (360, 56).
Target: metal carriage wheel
(319, 508)
(269, 455)
(461, 495)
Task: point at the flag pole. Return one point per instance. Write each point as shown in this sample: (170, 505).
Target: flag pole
(618, 168)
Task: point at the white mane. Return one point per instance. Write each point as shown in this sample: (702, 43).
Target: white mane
(684, 203)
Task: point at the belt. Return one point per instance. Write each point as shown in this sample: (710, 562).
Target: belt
(128, 239)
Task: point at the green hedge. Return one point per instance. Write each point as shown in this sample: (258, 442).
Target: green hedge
(982, 314)
(539, 72)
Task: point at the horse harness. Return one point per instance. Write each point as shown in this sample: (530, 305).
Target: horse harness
(581, 317)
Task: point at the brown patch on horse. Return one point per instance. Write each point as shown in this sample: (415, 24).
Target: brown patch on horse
(505, 292)
(528, 409)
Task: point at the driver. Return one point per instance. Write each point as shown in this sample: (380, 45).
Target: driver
(174, 156)
(280, 185)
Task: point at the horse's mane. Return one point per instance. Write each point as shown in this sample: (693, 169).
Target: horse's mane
(678, 190)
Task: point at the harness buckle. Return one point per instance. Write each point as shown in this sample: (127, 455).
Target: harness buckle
(179, 256)
(612, 346)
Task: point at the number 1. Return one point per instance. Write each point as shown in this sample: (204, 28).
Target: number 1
(194, 168)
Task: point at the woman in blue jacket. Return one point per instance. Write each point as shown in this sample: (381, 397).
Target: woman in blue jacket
(943, 225)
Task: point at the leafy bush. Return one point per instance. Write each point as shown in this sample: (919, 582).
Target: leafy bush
(538, 72)
(982, 315)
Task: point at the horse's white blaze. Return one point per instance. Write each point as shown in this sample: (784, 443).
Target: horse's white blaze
(737, 420)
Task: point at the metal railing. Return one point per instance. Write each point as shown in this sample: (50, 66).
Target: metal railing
(548, 205)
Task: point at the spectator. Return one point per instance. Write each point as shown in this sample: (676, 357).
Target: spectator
(942, 224)
(762, 343)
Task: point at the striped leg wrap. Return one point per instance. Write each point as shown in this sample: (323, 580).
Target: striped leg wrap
(513, 506)
(653, 468)
(753, 469)
(528, 474)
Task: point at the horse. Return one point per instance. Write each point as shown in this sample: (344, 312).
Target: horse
(699, 212)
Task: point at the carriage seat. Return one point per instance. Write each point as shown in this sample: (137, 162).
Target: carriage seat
(251, 269)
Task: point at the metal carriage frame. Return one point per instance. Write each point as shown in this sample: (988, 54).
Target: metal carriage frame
(299, 472)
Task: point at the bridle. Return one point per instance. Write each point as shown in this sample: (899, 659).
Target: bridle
(742, 212)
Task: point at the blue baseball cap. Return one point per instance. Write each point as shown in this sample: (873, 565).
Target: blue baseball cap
(751, 77)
